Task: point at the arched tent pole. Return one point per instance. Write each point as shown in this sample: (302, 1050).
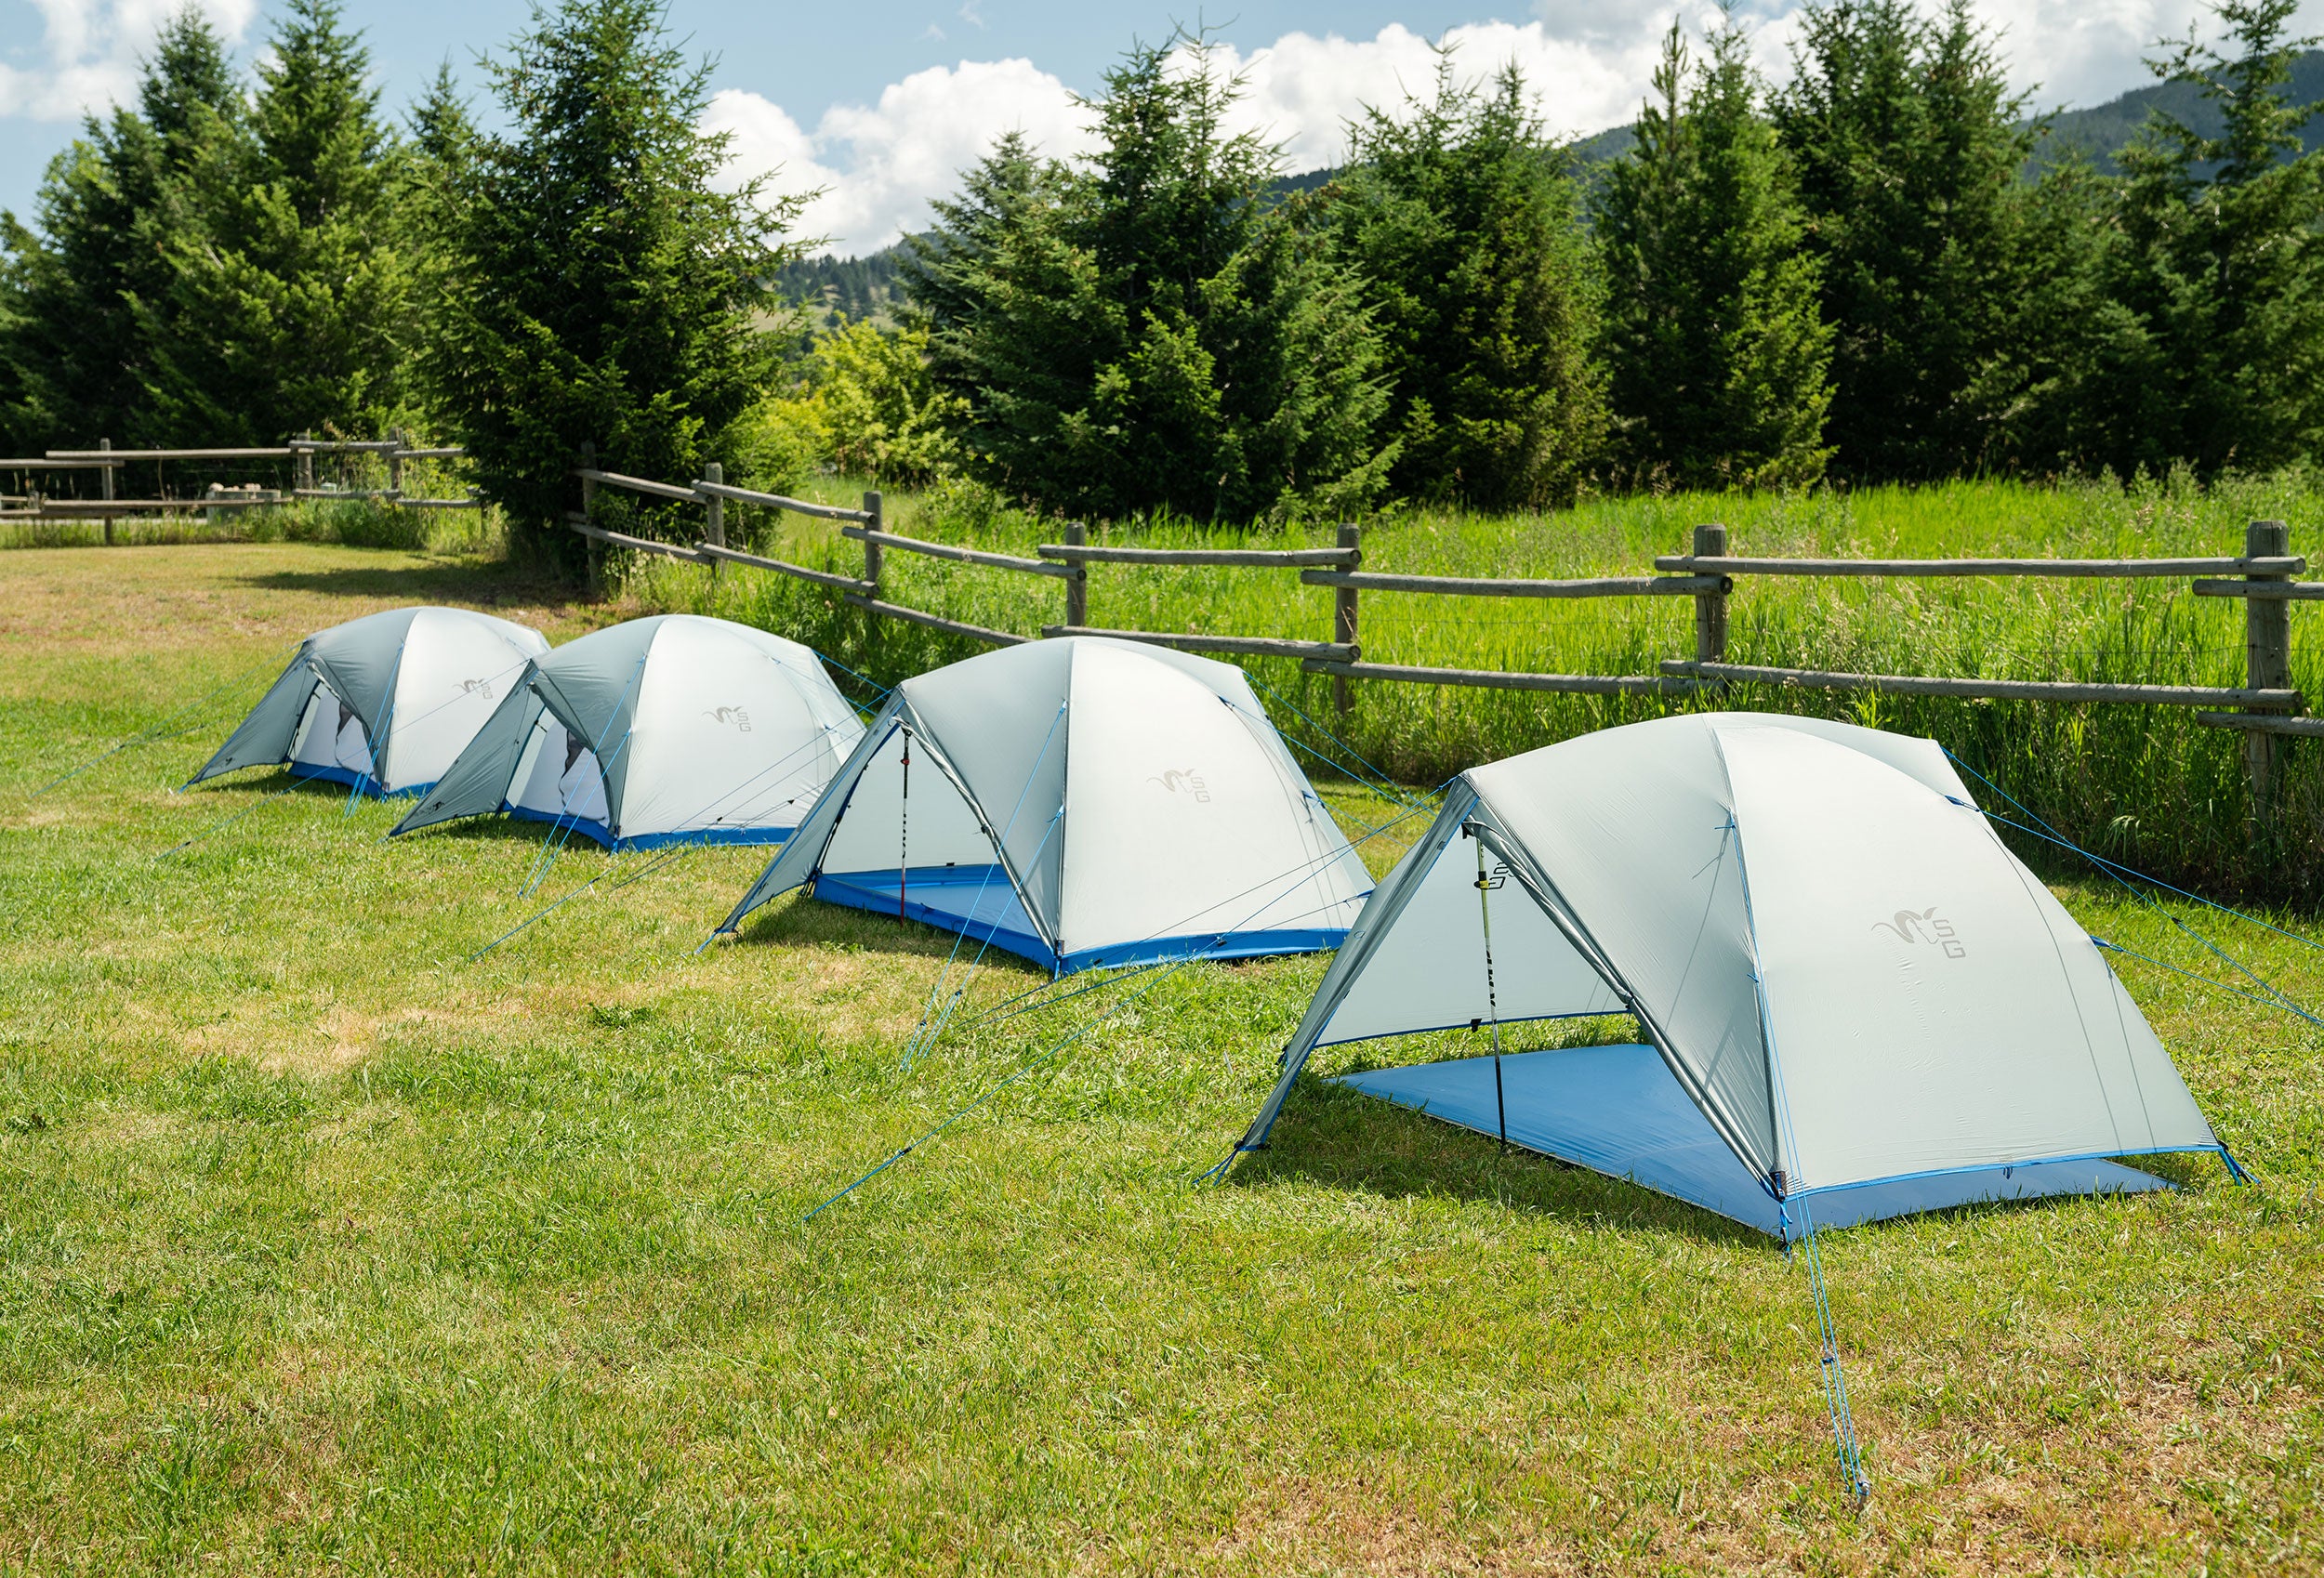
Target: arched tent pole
(375, 742)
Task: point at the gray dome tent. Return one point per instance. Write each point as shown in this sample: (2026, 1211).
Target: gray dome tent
(1857, 1001)
(384, 702)
(1080, 802)
(674, 730)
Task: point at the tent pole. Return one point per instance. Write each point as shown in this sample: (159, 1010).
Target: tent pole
(903, 830)
(1492, 1004)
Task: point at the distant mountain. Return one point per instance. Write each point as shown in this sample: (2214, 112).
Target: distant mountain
(2097, 132)
(832, 288)
(2104, 128)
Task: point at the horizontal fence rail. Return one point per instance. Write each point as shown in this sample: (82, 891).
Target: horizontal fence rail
(1075, 553)
(1242, 646)
(1470, 586)
(2079, 569)
(1985, 690)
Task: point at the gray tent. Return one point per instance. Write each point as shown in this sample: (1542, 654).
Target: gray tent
(675, 730)
(1080, 802)
(1856, 1002)
(384, 702)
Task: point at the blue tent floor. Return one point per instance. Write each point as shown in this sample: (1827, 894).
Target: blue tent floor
(980, 901)
(975, 900)
(1617, 1109)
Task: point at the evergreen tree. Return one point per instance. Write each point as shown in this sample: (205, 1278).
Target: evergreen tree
(601, 288)
(1717, 346)
(75, 293)
(437, 168)
(290, 304)
(1148, 333)
(2222, 264)
(949, 271)
(1908, 147)
(1459, 215)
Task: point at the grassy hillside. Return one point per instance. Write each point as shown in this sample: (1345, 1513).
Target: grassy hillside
(324, 1250)
(2145, 784)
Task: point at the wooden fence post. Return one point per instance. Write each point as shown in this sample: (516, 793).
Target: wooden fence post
(1344, 613)
(105, 474)
(589, 574)
(871, 548)
(714, 513)
(305, 479)
(395, 464)
(2267, 664)
(1076, 584)
(1710, 608)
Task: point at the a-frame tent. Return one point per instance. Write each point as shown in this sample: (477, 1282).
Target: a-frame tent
(1857, 1002)
(1080, 802)
(385, 703)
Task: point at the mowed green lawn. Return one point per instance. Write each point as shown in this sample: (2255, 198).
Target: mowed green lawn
(322, 1249)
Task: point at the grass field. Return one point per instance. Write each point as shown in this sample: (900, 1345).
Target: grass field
(2144, 784)
(321, 1249)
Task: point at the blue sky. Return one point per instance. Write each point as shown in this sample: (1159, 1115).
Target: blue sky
(878, 103)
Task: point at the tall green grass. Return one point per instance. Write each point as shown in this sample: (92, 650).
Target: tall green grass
(2143, 784)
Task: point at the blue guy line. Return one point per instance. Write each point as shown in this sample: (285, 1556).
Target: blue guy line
(2043, 831)
(229, 821)
(156, 734)
(2204, 980)
(1000, 854)
(1384, 782)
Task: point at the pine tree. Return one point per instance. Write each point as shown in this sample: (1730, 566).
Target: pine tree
(1148, 334)
(2223, 265)
(1459, 215)
(601, 287)
(290, 304)
(75, 291)
(1714, 331)
(1908, 146)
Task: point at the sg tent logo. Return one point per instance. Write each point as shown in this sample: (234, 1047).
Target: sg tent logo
(1916, 926)
(734, 716)
(477, 688)
(1184, 781)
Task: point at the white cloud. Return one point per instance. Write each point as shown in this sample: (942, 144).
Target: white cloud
(2078, 53)
(879, 165)
(87, 56)
(1587, 64)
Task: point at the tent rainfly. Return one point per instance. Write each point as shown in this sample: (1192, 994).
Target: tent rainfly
(675, 730)
(1080, 802)
(1857, 1002)
(383, 703)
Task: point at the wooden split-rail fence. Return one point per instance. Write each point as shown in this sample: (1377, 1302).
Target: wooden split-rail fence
(111, 505)
(2265, 709)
